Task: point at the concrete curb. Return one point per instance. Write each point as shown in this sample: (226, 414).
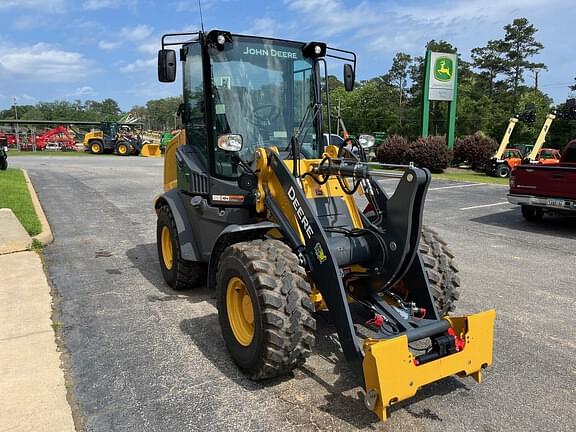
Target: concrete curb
(45, 237)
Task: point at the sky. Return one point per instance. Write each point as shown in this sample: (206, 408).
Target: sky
(95, 49)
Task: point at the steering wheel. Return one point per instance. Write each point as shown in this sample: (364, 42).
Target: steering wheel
(264, 115)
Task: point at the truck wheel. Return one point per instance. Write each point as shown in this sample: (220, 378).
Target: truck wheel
(503, 171)
(264, 308)
(532, 214)
(178, 273)
(96, 147)
(441, 270)
(123, 148)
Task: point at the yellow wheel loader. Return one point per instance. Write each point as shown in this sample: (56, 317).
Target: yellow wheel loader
(260, 208)
(118, 138)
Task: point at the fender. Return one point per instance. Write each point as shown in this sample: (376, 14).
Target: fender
(230, 235)
(188, 246)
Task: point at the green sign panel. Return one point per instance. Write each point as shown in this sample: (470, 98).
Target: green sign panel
(443, 69)
(440, 84)
(442, 76)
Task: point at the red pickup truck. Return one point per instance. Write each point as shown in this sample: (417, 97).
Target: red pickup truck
(540, 189)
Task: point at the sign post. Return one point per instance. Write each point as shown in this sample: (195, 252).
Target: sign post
(441, 84)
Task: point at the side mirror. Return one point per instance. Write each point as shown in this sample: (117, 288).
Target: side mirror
(166, 66)
(349, 77)
(230, 142)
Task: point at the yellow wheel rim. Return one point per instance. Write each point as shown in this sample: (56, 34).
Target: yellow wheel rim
(122, 149)
(240, 311)
(167, 248)
(95, 148)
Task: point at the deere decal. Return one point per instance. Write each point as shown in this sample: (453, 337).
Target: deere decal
(443, 69)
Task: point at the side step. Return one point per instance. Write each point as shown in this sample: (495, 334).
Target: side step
(392, 375)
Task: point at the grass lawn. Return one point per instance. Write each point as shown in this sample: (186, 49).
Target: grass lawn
(472, 177)
(14, 195)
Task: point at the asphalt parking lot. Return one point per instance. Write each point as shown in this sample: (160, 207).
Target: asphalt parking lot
(143, 357)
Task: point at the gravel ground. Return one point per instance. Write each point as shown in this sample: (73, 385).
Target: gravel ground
(146, 358)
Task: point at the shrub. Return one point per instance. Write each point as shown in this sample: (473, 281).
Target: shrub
(430, 152)
(475, 150)
(393, 150)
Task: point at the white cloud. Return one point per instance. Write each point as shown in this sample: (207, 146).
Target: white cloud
(127, 34)
(263, 27)
(108, 4)
(139, 65)
(107, 45)
(440, 15)
(331, 17)
(44, 5)
(83, 92)
(136, 33)
(42, 63)
(151, 47)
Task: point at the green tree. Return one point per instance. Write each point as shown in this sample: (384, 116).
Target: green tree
(398, 76)
(520, 45)
(491, 59)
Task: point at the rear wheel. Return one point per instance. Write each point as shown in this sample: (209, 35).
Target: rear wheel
(264, 308)
(96, 147)
(178, 273)
(532, 214)
(503, 171)
(123, 148)
(441, 270)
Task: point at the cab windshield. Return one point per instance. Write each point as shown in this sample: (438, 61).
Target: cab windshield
(262, 90)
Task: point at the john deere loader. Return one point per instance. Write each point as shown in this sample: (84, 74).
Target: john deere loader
(260, 208)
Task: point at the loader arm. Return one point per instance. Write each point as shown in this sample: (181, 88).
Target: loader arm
(541, 137)
(506, 138)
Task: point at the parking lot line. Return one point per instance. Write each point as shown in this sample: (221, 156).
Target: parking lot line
(457, 186)
(485, 205)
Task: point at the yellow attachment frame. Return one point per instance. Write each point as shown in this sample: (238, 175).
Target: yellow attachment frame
(390, 374)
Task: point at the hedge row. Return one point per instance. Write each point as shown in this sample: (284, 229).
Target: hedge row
(432, 152)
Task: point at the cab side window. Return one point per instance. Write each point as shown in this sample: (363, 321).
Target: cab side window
(194, 104)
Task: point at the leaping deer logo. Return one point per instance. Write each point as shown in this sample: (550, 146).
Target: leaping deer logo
(443, 69)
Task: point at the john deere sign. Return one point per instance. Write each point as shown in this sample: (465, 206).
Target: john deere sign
(442, 76)
(440, 84)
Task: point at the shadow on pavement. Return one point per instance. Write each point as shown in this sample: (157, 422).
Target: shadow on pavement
(553, 225)
(204, 332)
(144, 257)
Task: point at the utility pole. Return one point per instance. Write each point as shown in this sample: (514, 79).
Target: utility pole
(536, 73)
(17, 127)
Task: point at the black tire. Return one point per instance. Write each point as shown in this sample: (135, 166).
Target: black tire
(123, 148)
(441, 270)
(283, 324)
(181, 274)
(96, 147)
(502, 171)
(532, 214)
(3, 163)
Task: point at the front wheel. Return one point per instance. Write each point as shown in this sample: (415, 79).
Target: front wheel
(532, 214)
(503, 171)
(441, 270)
(123, 148)
(178, 273)
(264, 308)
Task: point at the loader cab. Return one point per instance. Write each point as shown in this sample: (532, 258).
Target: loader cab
(256, 92)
